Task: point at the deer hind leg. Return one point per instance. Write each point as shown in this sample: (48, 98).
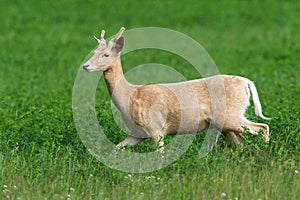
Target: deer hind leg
(254, 128)
(234, 137)
(130, 140)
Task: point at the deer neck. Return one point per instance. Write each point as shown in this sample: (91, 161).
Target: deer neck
(118, 87)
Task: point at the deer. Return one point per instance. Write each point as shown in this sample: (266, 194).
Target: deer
(157, 110)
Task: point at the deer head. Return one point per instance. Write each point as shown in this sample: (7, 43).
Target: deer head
(105, 54)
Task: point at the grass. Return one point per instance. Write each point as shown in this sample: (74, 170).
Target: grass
(43, 44)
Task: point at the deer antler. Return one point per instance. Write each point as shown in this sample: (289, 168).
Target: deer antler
(102, 34)
(101, 40)
(98, 40)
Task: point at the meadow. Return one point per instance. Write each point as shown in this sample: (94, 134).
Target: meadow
(44, 43)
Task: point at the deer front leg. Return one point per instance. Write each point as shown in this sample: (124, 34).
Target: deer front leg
(130, 140)
(159, 141)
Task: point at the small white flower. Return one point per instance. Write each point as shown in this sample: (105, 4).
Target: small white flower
(5, 186)
(72, 189)
(150, 177)
(128, 176)
(259, 199)
(5, 191)
(296, 171)
(223, 194)
(91, 175)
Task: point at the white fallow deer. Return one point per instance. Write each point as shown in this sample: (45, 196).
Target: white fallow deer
(156, 110)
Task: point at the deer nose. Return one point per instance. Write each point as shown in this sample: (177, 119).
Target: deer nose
(85, 66)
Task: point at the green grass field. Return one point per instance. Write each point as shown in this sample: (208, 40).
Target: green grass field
(43, 44)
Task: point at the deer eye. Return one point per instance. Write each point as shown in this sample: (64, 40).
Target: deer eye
(105, 55)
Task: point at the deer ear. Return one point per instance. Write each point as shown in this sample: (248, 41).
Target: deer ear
(120, 44)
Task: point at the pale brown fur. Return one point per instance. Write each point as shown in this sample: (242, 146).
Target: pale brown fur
(153, 111)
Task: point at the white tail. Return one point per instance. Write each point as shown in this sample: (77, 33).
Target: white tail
(255, 98)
